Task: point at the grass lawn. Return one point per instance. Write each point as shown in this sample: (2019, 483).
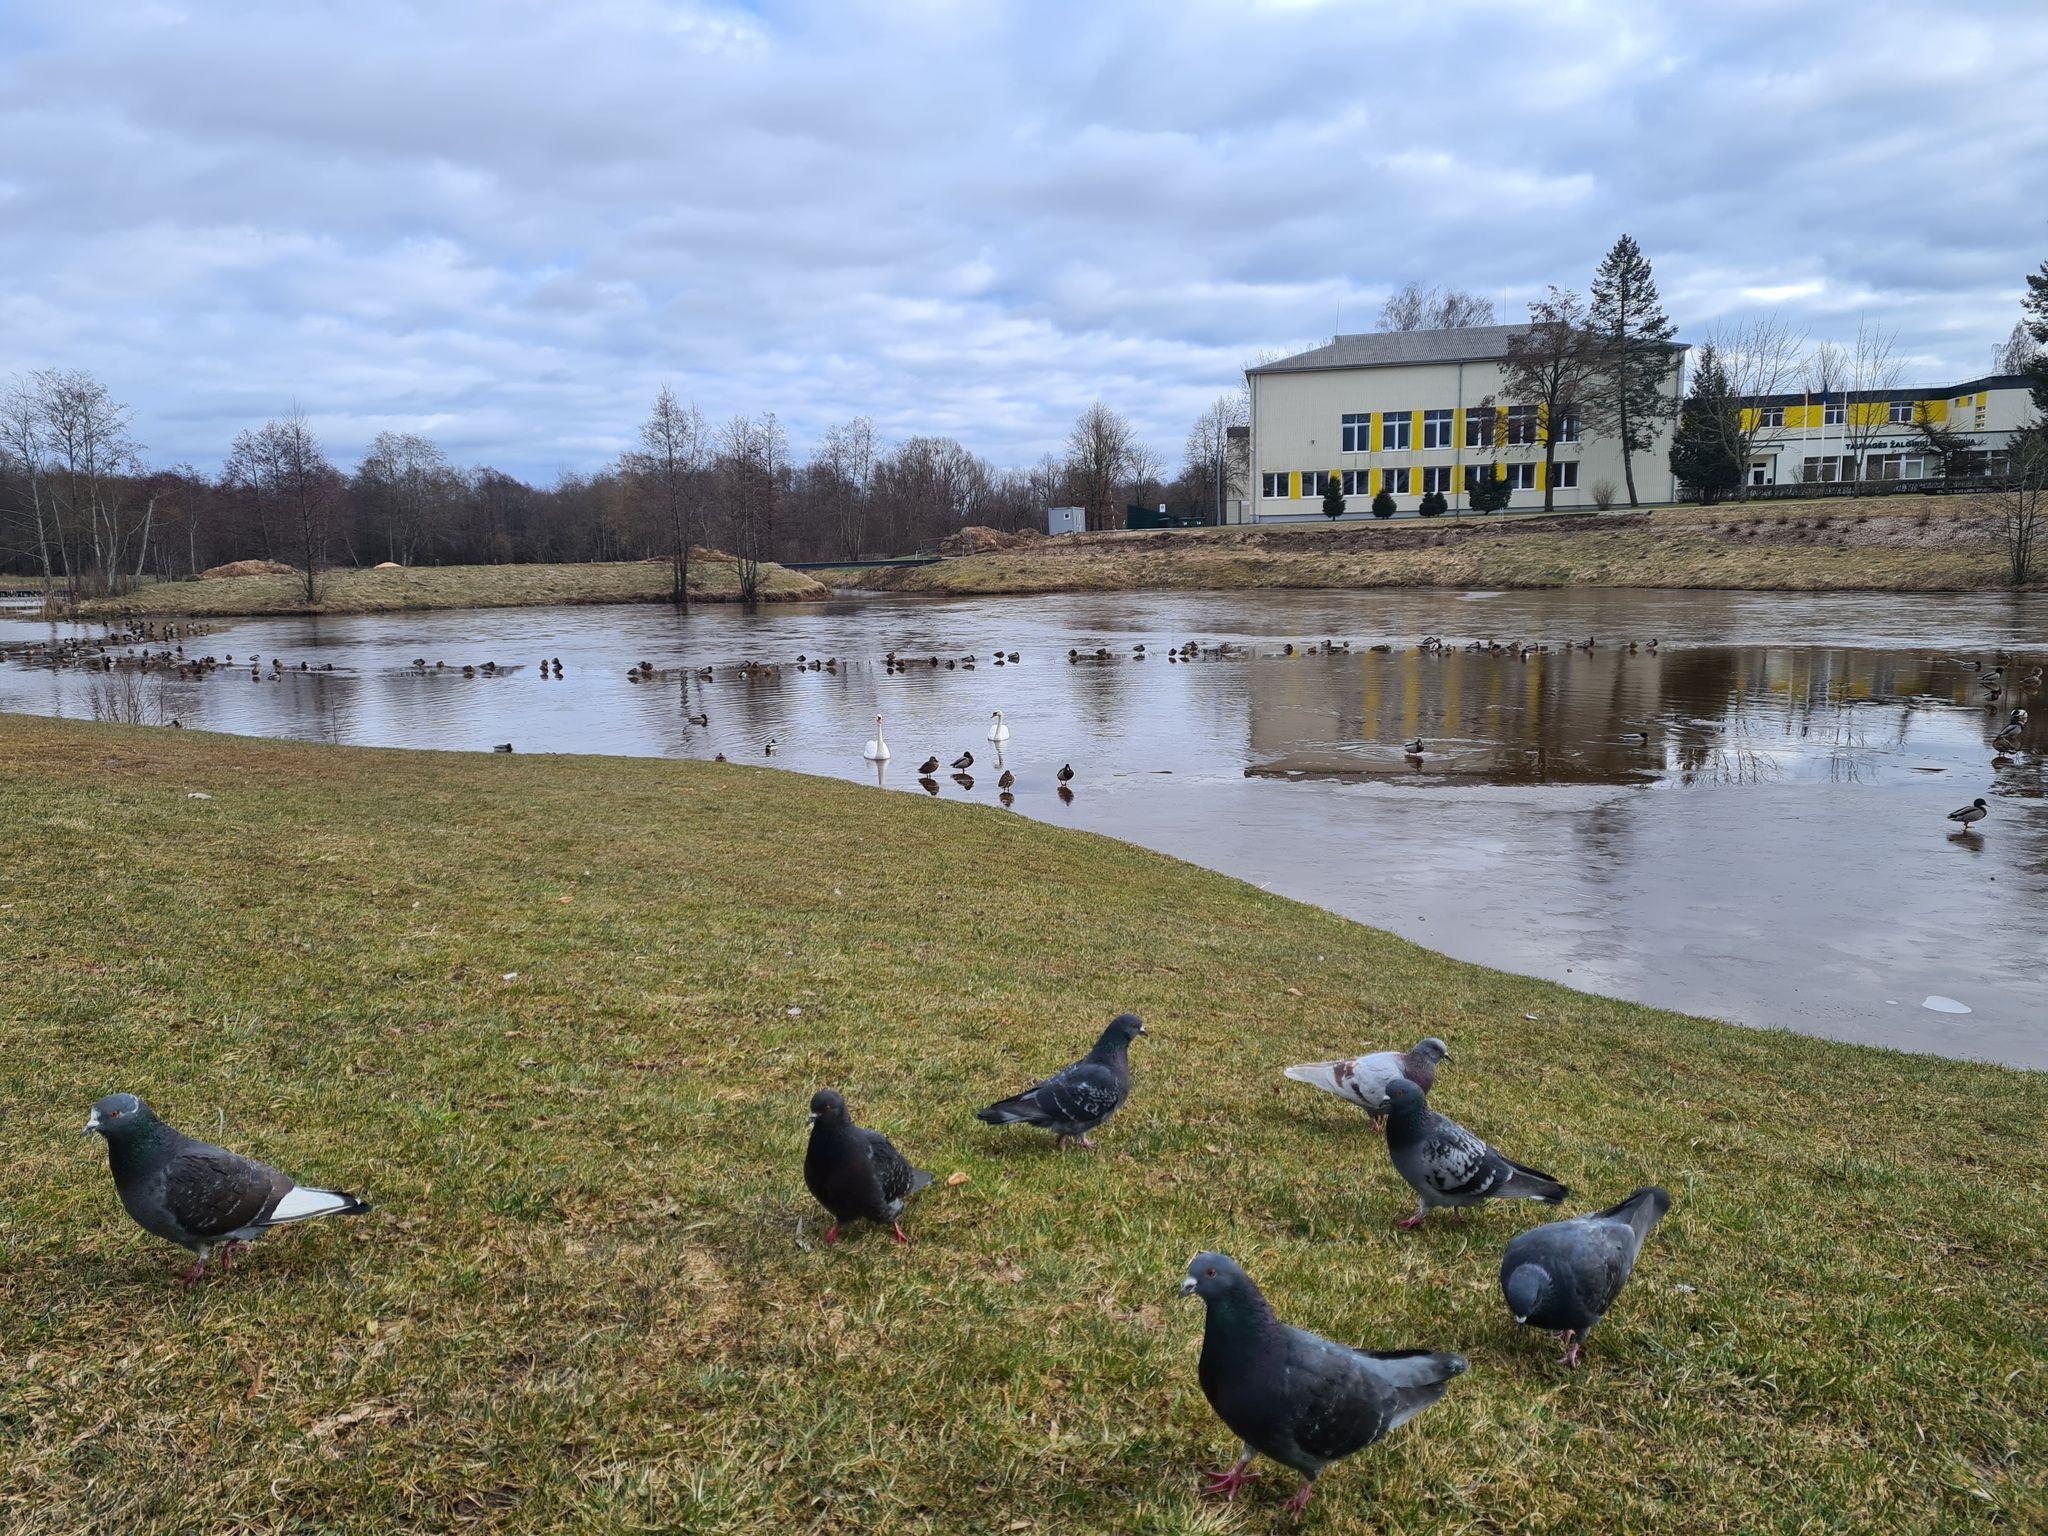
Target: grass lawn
(445, 586)
(593, 1294)
(1900, 543)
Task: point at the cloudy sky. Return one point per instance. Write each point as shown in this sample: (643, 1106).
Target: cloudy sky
(506, 222)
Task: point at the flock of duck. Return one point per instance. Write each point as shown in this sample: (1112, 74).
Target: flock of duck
(1287, 1394)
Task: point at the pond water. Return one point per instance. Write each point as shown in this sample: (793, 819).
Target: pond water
(1772, 850)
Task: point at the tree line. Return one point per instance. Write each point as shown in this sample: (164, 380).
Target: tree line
(85, 514)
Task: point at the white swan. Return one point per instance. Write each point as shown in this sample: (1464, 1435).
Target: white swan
(876, 751)
(998, 731)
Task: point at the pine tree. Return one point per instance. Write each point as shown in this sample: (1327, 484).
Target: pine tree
(1333, 495)
(2035, 304)
(1702, 453)
(1630, 397)
(1383, 504)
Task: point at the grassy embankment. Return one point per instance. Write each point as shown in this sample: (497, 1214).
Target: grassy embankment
(446, 586)
(592, 1295)
(1888, 543)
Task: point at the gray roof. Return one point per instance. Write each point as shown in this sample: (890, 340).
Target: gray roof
(1394, 349)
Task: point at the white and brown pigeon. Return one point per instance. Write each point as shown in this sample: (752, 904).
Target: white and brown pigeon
(1362, 1080)
(199, 1196)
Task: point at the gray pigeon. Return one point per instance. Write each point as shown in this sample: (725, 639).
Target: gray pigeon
(1363, 1079)
(1446, 1164)
(1076, 1099)
(1293, 1396)
(1565, 1275)
(199, 1196)
(857, 1174)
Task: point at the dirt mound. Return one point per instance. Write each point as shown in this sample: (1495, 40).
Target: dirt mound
(977, 540)
(387, 565)
(236, 568)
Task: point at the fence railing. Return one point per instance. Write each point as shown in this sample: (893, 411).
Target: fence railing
(1811, 490)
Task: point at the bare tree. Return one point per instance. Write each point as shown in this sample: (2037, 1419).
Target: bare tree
(752, 456)
(406, 481)
(668, 470)
(1416, 308)
(21, 449)
(2020, 506)
(2019, 350)
(1100, 458)
(1554, 365)
(1758, 358)
(845, 462)
(1874, 372)
(1215, 464)
(282, 468)
(90, 461)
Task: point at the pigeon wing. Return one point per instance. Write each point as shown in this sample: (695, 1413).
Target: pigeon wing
(212, 1191)
(893, 1171)
(1339, 1405)
(1081, 1095)
(1458, 1165)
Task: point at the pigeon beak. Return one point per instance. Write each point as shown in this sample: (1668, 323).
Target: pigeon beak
(1520, 1319)
(1187, 1286)
(92, 1123)
(813, 1117)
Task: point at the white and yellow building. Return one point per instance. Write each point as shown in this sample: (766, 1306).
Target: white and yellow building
(1865, 435)
(1409, 412)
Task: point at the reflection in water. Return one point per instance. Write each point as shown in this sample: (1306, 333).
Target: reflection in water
(1746, 820)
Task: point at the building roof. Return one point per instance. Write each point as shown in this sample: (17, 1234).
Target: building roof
(1989, 382)
(1397, 349)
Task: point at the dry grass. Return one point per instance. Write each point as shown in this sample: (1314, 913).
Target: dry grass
(446, 586)
(592, 1295)
(1893, 543)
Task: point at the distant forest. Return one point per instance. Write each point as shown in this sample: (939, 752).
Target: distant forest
(81, 505)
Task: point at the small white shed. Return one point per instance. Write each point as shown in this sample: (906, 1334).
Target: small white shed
(1066, 520)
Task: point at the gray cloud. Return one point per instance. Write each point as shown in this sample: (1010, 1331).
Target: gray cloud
(508, 224)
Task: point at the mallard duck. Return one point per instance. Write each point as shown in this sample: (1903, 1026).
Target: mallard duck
(1066, 774)
(1635, 738)
(1007, 781)
(703, 719)
(503, 746)
(2007, 739)
(1413, 748)
(1970, 814)
(768, 747)
(930, 765)
(964, 761)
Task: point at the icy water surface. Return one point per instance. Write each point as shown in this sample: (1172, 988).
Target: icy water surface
(1773, 848)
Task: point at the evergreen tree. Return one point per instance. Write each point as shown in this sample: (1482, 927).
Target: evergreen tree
(2035, 304)
(1630, 396)
(1702, 453)
(1489, 492)
(1433, 504)
(1383, 504)
(1333, 495)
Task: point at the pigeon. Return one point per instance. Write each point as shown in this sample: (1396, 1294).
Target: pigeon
(857, 1174)
(1363, 1079)
(198, 1196)
(1076, 1099)
(1565, 1275)
(1969, 814)
(1298, 1398)
(1446, 1164)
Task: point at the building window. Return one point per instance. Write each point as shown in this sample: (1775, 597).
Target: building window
(1826, 470)
(1394, 429)
(1522, 477)
(1832, 413)
(1771, 416)
(1566, 477)
(1357, 482)
(1395, 481)
(1474, 473)
(1522, 423)
(1273, 487)
(1312, 483)
(1901, 413)
(1357, 432)
(1436, 429)
(1567, 428)
(1479, 427)
(1436, 477)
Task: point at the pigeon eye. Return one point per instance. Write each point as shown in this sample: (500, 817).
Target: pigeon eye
(1212, 1271)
